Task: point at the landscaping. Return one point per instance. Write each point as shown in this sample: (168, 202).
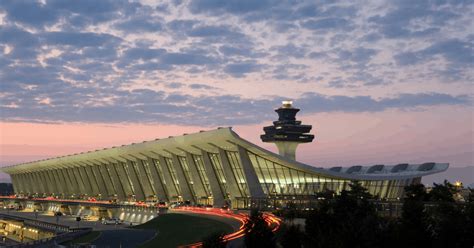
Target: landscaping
(181, 229)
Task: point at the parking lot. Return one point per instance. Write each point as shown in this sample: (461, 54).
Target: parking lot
(67, 220)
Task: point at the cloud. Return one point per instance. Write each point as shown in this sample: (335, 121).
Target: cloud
(85, 39)
(454, 51)
(126, 61)
(327, 23)
(242, 68)
(160, 107)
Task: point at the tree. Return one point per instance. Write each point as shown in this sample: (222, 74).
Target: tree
(349, 220)
(442, 192)
(414, 219)
(215, 240)
(257, 233)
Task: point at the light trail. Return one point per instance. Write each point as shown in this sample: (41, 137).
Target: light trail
(271, 220)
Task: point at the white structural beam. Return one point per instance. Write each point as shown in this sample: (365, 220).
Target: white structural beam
(139, 194)
(254, 186)
(157, 180)
(217, 192)
(183, 183)
(117, 181)
(170, 184)
(198, 184)
(232, 187)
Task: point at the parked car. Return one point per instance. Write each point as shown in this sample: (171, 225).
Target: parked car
(85, 217)
(111, 221)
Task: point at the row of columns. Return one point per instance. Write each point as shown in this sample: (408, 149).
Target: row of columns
(126, 177)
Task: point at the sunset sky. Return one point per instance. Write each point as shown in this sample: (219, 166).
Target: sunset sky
(380, 81)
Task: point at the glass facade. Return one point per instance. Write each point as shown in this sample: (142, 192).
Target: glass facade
(189, 180)
(238, 172)
(146, 166)
(174, 178)
(217, 166)
(279, 181)
(202, 173)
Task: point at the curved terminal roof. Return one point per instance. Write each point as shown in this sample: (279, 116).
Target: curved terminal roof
(227, 139)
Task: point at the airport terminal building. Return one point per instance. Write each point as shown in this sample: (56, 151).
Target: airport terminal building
(215, 167)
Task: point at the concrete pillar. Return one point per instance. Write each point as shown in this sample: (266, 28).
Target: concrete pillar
(54, 183)
(87, 181)
(183, 183)
(80, 181)
(44, 183)
(287, 149)
(144, 180)
(139, 194)
(125, 179)
(14, 183)
(157, 180)
(20, 188)
(31, 183)
(93, 181)
(254, 186)
(41, 187)
(232, 186)
(198, 183)
(217, 192)
(76, 190)
(100, 181)
(104, 172)
(68, 187)
(171, 188)
(47, 183)
(117, 181)
(61, 186)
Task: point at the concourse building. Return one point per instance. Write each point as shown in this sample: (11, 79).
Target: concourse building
(215, 167)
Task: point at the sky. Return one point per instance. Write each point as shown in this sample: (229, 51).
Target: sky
(380, 81)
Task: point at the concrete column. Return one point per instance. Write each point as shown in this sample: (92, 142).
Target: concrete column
(38, 183)
(254, 186)
(183, 183)
(47, 183)
(30, 183)
(92, 179)
(60, 179)
(100, 181)
(157, 181)
(41, 186)
(217, 192)
(23, 182)
(117, 181)
(74, 184)
(87, 181)
(103, 171)
(54, 183)
(198, 183)
(80, 181)
(14, 183)
(98, 188)
(123, 175)
(139, 194)
(68, 187)
(144, 180)
(232, 186)
(171, 188)
(19, 181)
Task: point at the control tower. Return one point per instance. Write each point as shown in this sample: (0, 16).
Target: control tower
(287, 133)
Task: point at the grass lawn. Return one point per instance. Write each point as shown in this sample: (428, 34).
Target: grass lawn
(180, 229)
(88, 238)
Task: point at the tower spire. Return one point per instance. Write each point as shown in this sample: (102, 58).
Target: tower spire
(287, 132)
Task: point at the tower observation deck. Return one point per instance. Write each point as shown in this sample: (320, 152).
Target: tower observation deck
(287, 133)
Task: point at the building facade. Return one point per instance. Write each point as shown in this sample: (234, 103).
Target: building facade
(214, 167)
